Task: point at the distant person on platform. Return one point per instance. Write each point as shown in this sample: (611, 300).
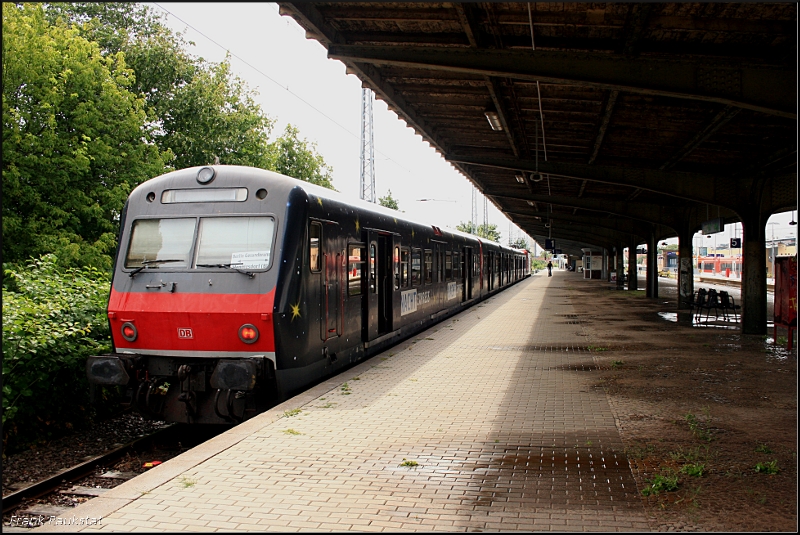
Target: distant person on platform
(549, 268)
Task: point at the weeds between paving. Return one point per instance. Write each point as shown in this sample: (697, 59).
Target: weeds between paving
(708, 416)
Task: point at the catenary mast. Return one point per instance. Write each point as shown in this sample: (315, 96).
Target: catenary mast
(367, 185)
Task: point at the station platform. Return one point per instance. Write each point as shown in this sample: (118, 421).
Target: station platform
(481, 423)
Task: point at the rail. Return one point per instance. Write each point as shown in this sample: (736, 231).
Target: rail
(78, 471)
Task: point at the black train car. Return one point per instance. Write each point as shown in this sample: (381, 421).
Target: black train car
(235, 287)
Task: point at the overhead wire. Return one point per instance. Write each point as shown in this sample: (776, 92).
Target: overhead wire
(284, 87)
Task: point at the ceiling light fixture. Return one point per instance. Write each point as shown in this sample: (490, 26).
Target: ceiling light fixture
(520, 178)
(494, 120)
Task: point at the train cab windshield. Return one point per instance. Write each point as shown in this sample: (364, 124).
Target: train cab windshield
(238, 242)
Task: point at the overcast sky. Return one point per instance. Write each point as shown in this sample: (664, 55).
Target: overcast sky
(298, 84)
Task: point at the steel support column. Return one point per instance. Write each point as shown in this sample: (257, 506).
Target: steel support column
(619, 264)
(633, 275)
(685, 270)
(652, 267)
(754, 274)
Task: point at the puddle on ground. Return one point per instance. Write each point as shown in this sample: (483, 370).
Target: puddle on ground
(669, 316)
(574, 367)
(689, 319)
(779, 352)
(574, 348)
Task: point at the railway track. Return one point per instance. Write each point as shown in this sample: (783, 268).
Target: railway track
(31, 502)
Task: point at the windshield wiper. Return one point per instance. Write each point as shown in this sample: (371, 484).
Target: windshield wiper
(228, 266)
(146, 263)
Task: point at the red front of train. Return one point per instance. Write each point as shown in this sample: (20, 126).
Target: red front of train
(192, 297)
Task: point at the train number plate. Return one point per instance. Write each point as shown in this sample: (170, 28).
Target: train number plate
(185, 334)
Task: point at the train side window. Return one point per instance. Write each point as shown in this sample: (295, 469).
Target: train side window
(440, 263)
(448, 265)
(373, 268)
(314, 241)
(457, 265)
(428, 273)
(404, 274)
(416, 267)
(396, 268)
(355, 269)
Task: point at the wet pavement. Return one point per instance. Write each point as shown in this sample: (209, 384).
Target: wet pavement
(488, 421)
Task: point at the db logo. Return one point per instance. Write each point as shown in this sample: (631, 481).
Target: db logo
(185, 334)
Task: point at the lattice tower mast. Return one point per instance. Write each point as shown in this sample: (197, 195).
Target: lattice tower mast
(367, 185)
(473, 217)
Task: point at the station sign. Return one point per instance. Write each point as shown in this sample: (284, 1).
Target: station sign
(736, 243)
(712, 226)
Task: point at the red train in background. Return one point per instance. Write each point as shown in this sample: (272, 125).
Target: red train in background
(725, 266)
(235, 287)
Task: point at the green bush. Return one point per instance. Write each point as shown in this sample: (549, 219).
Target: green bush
(53, 318)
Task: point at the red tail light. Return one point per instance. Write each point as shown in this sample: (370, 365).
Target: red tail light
(248, 333)
(129, 331)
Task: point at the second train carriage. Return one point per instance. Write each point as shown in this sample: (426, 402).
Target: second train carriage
(234, 287)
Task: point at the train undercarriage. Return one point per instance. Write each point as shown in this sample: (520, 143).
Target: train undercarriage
(189, 390)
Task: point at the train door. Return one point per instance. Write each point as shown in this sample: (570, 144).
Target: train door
(489, 271)
(467, 274)
(479, 262)
(332, 259)
(384, 271)
(372, 290)
(378, 302)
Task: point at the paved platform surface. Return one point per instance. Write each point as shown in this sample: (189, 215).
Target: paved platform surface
(485, 422)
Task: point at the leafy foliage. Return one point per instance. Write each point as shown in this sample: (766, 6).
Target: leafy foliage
(770, 467)
(389, 202)
(53, 319)
(97, 98)
(519, 243)
(297, 158)
(200, 110)
(72, 141)
(485, 230)
(693, 469)
(538, 264)
(660, 483)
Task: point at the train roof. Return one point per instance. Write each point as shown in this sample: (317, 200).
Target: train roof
(288, 182)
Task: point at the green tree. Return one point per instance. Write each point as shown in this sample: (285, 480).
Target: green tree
(98, 97)
(75, 141)
(519, 243)
(215, 115)
(200, 109)
(486, 230)
(389, 202)
(297, 158)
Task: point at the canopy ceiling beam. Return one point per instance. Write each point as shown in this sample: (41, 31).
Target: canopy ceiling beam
(754, 85)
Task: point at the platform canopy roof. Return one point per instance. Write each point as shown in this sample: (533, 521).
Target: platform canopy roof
(597, 125)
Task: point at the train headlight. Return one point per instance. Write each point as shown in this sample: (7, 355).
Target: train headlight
(248, 333)
(129, 331)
